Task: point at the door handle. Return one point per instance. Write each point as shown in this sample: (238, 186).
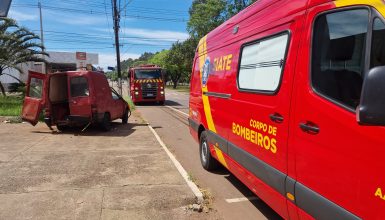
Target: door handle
(309, 127)
(276, 117)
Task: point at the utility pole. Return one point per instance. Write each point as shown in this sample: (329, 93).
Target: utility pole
(117, 45)
(43, 67)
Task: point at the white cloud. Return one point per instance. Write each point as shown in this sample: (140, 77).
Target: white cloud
(21, 16)
(74, 19)
(152, 33)
(109, 59)
(146, 42)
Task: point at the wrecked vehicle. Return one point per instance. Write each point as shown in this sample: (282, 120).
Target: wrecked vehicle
(73, 98)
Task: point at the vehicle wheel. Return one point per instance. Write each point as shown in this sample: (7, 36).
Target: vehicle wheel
(62, 127)
(125, 117)
(106, 123)
(208, 162)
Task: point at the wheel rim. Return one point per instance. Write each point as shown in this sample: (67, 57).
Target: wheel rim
(204, 151)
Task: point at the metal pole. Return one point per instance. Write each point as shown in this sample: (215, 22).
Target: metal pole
(42, 36)
(117, 45)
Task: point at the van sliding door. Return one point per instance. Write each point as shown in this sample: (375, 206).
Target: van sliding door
(260, 110)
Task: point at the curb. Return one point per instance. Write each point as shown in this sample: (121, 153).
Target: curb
(194, 188)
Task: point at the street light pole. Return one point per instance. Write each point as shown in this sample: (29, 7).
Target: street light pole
(43, 67)
(117, 45)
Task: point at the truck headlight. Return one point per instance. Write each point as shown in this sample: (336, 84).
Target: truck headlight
(136, 93)
(161, 87)
(161, 92)
(136, 88)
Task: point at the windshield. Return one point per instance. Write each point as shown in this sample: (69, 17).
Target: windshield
(148, 74)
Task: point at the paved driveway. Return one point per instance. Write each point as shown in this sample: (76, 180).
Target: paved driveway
(121, 174)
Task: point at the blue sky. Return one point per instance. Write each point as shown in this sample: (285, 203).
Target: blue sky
(83, 25)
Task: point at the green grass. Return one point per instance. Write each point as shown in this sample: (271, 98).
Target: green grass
(10, 105)
(179, 88)
(130, 103)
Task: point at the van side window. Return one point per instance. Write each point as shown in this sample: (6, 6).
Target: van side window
(79, 87)
(35, 88)
(262, 64)
(338, 55)
(114, 96)
(377, 57)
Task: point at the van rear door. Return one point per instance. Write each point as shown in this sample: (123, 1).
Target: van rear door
(79, 95)
(35, 97)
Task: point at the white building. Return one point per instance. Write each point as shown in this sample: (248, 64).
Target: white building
(58, 61)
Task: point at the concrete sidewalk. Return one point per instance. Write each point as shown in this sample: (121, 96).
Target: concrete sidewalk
(121, 174)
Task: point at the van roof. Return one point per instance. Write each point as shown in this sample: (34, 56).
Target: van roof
(146, 67)
(80, 72)
(266, 9)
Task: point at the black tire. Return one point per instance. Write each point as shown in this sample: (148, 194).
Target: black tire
(208, 162)
(62, 127)
(125, 117)
(106, 122)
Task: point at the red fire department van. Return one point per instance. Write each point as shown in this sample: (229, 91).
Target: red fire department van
(74, 98)
(289, 96)
(147, 84)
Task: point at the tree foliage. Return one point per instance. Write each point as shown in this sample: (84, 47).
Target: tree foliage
(205, 15)
(18, 45)
(235, 6)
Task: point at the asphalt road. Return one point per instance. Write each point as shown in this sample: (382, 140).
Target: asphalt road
(231, 199)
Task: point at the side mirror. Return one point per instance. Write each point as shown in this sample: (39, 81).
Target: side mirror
(371, 110)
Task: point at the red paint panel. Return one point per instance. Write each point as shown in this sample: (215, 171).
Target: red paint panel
(35, 97)
(342, 162)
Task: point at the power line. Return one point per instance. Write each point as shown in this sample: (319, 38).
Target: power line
(96, 12)
(107, 18)
(74, 34)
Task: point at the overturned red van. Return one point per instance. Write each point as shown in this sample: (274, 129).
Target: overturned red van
(74, 98)
(289, 96)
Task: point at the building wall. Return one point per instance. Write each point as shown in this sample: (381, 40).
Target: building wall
(22, 76)
(66, 57)
(54, 57)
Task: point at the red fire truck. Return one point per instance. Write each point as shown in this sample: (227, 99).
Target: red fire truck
(289, 96)
(147, 84)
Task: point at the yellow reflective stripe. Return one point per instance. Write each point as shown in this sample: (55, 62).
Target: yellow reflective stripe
(220, 156)
(202, 51)
(377, 4)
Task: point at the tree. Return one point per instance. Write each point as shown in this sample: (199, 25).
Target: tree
(205, 15)
(160, 58)
(235, 6)
(179, 60)
(17, 45)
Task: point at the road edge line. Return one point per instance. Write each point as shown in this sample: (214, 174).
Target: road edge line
(176, 110)
(194, 188)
